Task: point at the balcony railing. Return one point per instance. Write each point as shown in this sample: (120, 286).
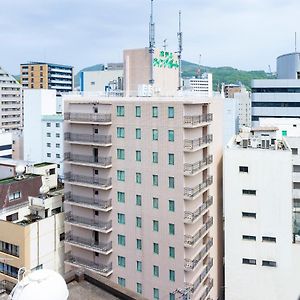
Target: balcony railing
(104, 269)
(191, 216)
(101, 161)
(102, 182)
(88, 138)
(189, 264)
(95, 203)
(190, 193)
(196, 120)
(86, 222)
(191, 240)
(193, 287)
(194, 144)
(190, 169)
(207, 289)
(86, 117)
(104, 248)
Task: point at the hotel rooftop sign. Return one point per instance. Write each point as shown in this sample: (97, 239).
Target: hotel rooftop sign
(165, 60)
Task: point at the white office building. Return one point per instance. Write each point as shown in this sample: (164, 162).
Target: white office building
(43, 128)
(244, 107)
(203, 85)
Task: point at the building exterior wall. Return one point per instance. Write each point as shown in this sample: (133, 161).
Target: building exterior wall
(6, 145)
(244, 108)
(288, 66)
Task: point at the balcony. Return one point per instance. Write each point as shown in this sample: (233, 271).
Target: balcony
(94, 118)
(208, 288)
(89, 181)
(88, 139)
(196, 121)
(88, 223)
(190, 265)
(96, 204)
(195, 168)
(192, 240)
(103, 269)
(194, 286)
(88, 160)
(192, 193)
(190, 217)
(196, 144)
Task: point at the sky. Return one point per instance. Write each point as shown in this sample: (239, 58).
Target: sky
(244, 34)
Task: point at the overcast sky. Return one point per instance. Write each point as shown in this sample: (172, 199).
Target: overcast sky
(246, 34)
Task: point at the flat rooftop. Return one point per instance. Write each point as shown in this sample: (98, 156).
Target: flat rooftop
(13, 179)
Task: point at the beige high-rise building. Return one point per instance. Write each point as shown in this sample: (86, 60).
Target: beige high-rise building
(143, 197)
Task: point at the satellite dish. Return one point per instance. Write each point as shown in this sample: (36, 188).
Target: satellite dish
(20, 169)
(41, 284)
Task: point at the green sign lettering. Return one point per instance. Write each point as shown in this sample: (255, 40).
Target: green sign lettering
(165, 60)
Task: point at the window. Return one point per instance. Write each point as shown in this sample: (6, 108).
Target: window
(121, 197)
(48, 145)
(172, 275)
(12, 217)
(243, 169)
(296, 168)
(57, 155)
(249, 237)
(138, 155)
(120, 111)
(249, 261)
(171, 296)
(155, 248)
(155, 225)
(284, 133)
(171, 135)
(172, 252)
(121, 240)
(155, 157)
(48, 134)
(48, 154)
(249, 215)
(156, 294)
(57, 135)
(138, 222)
(171, 205)
(57, 145)
(14, 196)
(121, 281)
(9, 270)
(171, 229)
(269, 263)
(121, 261)
(139, 244)
(138, 200)
(139, 288)
(156, 271)
(249, 192)
(9, 248)
(120, 132)
(48, 124)
(171, 182)
(138, 133)
(296, 185)
(138, 111)
(121, 154)
(96, 130)
(171, 158)
(120, 175)
(155, 180)
(138, 177)
(170, 112)
(139, 266)
(57, 125)
(154, 111)
(154, 134)
(121, 218)
(294, 151)
(155, 203)
(269, 239)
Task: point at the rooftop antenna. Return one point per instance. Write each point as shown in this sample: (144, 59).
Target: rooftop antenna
(295, 41)
(199, 67)
(165, 45)
(179, 36)
(151, 43)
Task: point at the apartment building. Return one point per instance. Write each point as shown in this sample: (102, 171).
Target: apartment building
(11, 102)
(42, 75)
(31, 223)
(261, 242)
(142, 192)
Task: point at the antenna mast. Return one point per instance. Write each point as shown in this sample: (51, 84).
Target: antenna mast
(179, 36)
(151, 43)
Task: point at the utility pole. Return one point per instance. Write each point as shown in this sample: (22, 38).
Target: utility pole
(179, 37)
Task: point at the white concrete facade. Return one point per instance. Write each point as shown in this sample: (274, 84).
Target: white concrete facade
(203, 85)
(244, 108)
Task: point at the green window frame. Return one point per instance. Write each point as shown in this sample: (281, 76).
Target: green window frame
(121, 218)
(172, 296)
(171, 159)
(171, 252)
(120, 111)
(171, 229)
(138, 222)
(138, 133)
(138, 111)
(139, 244)
(155, 225)
(120, 175)
(138, 177)
(155, 271)
(154, 112)
(121, 240)
(155, 203)
(122, 281)
(155, 134)
(138, 200)
(121, 197)
(155, 157)
(155, 293)
(139, 266)
(171, 112)
(171, 205)
(155, 180)
(172, 275)
(138, 155)
(139, 288)
(120, 132)
(121, 261)
(155, 248)
(121, 154)
(171, 181)
(171, 137)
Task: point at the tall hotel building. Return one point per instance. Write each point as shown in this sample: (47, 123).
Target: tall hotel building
(143, 191)
(40, 75)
